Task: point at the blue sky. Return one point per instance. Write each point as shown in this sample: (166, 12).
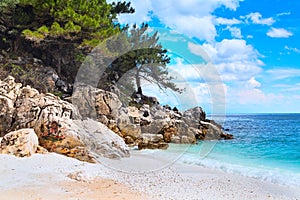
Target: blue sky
(253, 46)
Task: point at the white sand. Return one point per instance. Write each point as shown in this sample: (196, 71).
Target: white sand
(46, 177)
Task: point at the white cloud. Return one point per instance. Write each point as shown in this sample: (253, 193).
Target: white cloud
(201, 27)
(191, 7)
(186, 71)
(279, 33)
(292, 49)
(289, 88)
(296, 88)
(252, 83)
(254, 96)
(283, 13)
(256, 18)
(225, 21)
(191, 17)
(249, 36)
(238, 71)
(251, 99)
(197, 73)
(234, 59)
(202, 83)
(200, 51)
(230, 50)
(279, 74)
(235, 32)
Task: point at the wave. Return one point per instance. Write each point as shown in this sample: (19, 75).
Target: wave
(273, 175)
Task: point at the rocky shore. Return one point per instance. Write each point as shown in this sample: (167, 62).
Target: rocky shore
(93, 123)
(96, 131)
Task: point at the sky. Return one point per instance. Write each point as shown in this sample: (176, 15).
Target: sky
(244, 54)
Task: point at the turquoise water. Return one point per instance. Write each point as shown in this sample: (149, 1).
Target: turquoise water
(266, 146)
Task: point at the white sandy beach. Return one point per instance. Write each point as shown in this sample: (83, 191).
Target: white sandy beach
(53, 176)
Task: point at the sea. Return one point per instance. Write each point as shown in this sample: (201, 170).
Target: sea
(265, 147)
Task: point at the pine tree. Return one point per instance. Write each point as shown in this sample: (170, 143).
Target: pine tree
(146, 60)
(58, 31)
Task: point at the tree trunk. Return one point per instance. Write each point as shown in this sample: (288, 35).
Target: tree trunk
(138, 83)
(59, 55)
(139, 91)
(59, 66)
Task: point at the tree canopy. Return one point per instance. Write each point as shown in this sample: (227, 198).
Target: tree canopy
(146, 59)
(61, 33)
(88, 21)
(58, 31)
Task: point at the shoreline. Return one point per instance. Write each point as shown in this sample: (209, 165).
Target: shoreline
(49, 175)
(198, 182)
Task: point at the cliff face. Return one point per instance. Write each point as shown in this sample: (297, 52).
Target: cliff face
(95, 124)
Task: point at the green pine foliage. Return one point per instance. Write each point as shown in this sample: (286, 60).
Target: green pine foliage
(35, 36)
(121, 7)
(74, 20)
(142, 59)
(7, 4)
(57, 30)
(62, 32)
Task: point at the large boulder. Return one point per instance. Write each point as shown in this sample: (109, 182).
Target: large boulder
(94, 103)
(23, 142)
(6, 114)
(213, 132)
(85, 140)
(128, 122)
(193, 116)
(22, 106)
(131, 130)
(101, 140)
(152, 141)
(155, 127)
(106, 107)
(31, 106)
(9, 88)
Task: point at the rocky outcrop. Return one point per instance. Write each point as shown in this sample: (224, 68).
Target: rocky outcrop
(169, 124)
(57, 123)
(128, 122)
(22, 106)
(31, 107)
(89, 125)
(132, 122)
(107, 108)
(95, 103)
(135, 124)
(193, 116)
(213, 132)
(9, 91)
(21, 143)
